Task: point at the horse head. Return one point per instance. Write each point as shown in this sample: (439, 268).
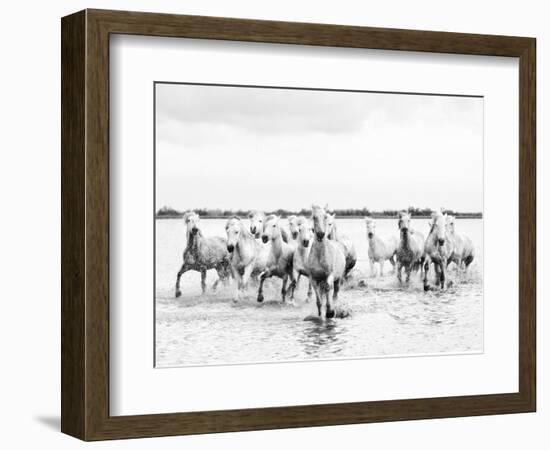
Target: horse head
(305, 231)
(293, 226)
(331, 225)
(451, 224)
(404, 223)
(320, 222)
(271, 229)
(371, 226)
(439, 228)
(192, 221)
(257, 219)
(233, 228)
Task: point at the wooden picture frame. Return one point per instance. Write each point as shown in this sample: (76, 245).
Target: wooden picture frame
(85, 224)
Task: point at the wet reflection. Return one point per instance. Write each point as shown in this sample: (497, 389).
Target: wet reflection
(322, 338)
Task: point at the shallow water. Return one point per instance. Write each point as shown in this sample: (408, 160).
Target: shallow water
(385, 319)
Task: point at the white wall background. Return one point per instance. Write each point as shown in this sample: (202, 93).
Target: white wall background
(30, 225)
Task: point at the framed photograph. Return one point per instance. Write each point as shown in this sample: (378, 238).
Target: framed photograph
(273, 225)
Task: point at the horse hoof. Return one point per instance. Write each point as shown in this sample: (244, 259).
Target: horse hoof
(178, 294)
(330, 314)
(426, 287)
(260, 298)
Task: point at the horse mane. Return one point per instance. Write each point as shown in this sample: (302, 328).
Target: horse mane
(301, 220)
(255, 212)
(245, 231)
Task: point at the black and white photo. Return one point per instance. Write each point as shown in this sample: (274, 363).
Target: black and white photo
(298, 224)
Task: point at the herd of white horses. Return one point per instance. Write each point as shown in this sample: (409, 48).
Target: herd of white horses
(265, 246)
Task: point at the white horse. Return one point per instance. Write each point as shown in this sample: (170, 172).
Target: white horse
(203, 253)
(463, 248)
(410, 249)
(349, 248)
(301, 255)
(280, 258)
(326, 263)
(438, 249)
(248, 256)
(380, 249)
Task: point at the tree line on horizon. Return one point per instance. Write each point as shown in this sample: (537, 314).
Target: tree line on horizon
(215, 213)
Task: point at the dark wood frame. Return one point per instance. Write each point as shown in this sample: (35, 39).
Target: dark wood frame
(85, 224)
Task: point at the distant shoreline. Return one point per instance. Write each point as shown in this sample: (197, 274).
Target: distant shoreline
(374, 216)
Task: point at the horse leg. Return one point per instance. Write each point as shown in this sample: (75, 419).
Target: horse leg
(381, 263)
(184, 268)
(335, 291)
(237, 277)
(329, 314)
(372, 269)
(437, 270)
(442, 276)
(203, 280)
(297, 278)
(222, 274)
(467, 261)
(294, 277)
(426, 270)
(283, 288)
(399, 267)
(263, 276)
(392, 261)
(408, 270)
(215, 284)
(317, 290)
(309, 289)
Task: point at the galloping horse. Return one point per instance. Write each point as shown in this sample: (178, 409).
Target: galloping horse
(380, 249)
(326, 263)
(280, 258)
(463, 248)
(438, 249)
(202, 253)
(410, 250)
(301, 255)
(248, 256)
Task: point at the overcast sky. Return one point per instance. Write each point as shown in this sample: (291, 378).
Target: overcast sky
(257, 148)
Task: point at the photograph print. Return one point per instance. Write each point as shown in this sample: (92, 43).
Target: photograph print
(302, 224)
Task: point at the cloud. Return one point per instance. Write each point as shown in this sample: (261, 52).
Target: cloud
(270, 148)
(261, 110)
